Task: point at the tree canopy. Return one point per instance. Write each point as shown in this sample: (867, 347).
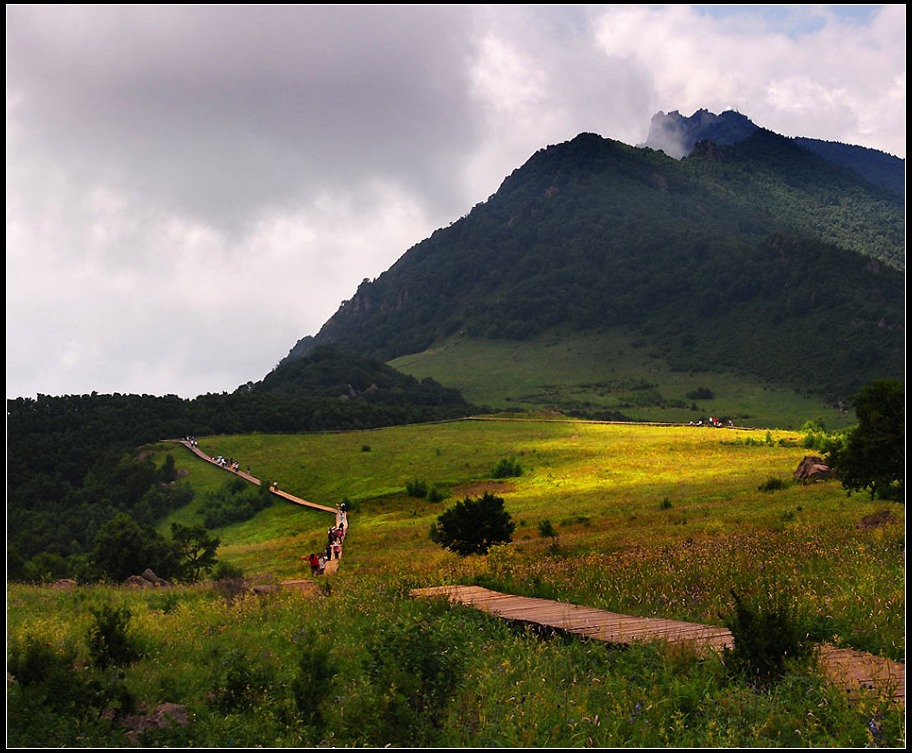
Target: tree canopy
(873, 457)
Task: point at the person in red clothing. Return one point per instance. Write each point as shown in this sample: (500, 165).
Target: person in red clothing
(314, 564)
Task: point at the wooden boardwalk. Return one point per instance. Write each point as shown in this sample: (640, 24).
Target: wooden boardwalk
(341, 517)
(253, 480)
(855, 671)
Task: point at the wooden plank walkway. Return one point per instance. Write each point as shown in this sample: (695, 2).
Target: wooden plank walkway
(855, 671)
(332, 565)
(253, 480)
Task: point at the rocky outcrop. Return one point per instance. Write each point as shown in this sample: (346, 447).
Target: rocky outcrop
(164, 715)
(813, 468)
(676, 134)
(147, 580)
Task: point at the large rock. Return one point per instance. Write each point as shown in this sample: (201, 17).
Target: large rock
(812, 468)
(147, 580)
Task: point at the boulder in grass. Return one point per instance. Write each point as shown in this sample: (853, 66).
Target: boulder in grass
(813, 468)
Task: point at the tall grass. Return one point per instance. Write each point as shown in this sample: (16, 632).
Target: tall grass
(368, 666)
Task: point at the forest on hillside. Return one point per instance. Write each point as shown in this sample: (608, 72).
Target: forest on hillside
(78, 453)
(761, 257)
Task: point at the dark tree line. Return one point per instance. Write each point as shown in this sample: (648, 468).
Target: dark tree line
(74, 463)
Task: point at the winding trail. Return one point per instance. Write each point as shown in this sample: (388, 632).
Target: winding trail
(855, 671)
(341, 516)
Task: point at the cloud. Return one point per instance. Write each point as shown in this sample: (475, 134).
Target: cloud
(191, 189)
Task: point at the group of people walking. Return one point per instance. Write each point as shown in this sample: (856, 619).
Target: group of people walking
(333, 551)
(334, 537)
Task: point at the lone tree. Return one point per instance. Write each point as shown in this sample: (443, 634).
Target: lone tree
(473, 526)
(196, 550)
(873, 457)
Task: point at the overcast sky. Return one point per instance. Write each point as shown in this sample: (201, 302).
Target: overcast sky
(192, 189)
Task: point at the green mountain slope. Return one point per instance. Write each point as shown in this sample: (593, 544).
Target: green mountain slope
(329, 373)
(760, 257)
(612, 375)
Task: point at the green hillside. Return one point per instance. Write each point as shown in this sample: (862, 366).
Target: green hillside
(760, 258)
(611, 375)
(574, 329)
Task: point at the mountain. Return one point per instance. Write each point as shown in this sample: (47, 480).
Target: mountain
(677, 136)
(752, 252)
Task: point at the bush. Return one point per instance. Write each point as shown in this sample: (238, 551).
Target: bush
(50, 698)
(415, 667)
(772, 484)
(420, 490)
(49, 676)
(108, 641)
(546, 529)
(227, 571)
(240, 683)
(768, 638)
(235, 502)
(312, 681)
(436, 495)
(506, 469)
(417, 489)
(473, 526)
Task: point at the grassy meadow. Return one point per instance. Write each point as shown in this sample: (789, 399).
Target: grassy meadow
(644, 520)
(613, 371)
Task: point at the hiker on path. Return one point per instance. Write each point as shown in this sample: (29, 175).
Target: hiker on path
(314, 564)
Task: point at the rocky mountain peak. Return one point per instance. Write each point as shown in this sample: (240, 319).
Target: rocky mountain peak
(676, 134)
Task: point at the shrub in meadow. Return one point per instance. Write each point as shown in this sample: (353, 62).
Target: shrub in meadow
(769, 637)
(52, 699)
(240, 683)
(312, 683)
(415, 666)
(507, 468)
(108, 640)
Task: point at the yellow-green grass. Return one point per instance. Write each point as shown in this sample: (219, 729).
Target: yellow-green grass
(652, 520)
(601, 371)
